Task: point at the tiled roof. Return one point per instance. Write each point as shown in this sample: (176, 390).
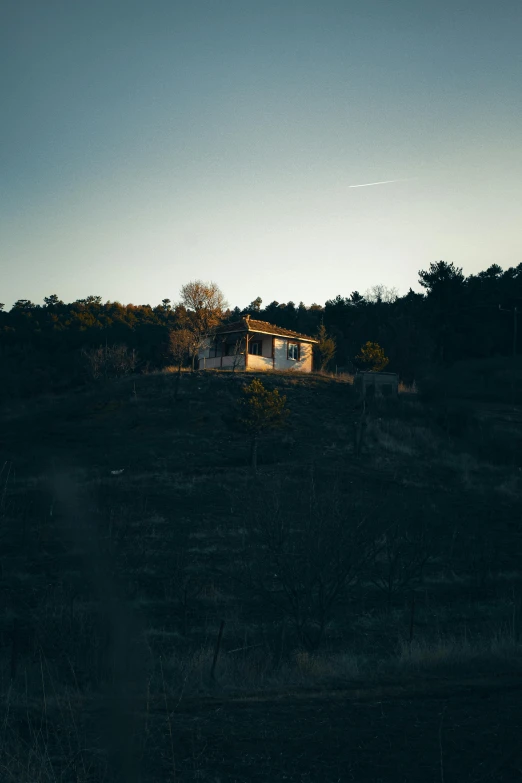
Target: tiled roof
(252, 325)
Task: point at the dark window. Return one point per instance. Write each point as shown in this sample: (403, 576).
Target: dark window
(232, 349)
(256, 348)
(215, 349)
(293, 351)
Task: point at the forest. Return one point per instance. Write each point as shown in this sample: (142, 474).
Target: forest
(43, 346)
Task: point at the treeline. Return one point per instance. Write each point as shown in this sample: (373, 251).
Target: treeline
(43, 347)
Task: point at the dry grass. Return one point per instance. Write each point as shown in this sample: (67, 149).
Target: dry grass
(43, 737)
(344, 377)
(407, 440)
(399, 436)
(172, 369)
(501, 652)
(405, 388)
(252, 670)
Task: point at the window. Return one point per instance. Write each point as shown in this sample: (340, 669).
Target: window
(256, 348)
(233, 345)
(293, 351)
(216, 349)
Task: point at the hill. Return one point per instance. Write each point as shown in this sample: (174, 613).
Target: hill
(367, 604)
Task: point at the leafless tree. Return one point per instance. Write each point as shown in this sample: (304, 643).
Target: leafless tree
(398, 558)
(205, 305)
(303, 552)
(110, 361)
(238, 353)
(381, 293)
(181, 347)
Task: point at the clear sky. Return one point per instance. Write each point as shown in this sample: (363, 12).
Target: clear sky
(147, 143)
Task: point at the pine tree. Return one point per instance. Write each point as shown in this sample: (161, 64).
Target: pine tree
(261, 410)
(372, 357)
(325, 348)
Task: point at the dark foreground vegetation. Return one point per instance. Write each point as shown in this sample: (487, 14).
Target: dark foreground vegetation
(169, 614)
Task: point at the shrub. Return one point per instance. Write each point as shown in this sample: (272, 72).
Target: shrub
(261, 410)
(372, 357)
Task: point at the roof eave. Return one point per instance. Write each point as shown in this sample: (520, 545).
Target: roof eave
(271, 334)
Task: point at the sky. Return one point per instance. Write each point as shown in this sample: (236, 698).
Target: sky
(147, 143)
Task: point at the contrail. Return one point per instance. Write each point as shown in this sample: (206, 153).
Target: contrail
(383, 182)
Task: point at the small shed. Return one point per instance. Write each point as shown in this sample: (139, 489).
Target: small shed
(376, 384)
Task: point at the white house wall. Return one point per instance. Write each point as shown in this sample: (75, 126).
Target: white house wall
(225, 362)
(282, 362)
(260, 362)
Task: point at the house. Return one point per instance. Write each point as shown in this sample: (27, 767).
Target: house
(249, 344)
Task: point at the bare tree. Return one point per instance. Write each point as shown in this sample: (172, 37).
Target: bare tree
(181, 347)
(238, 353)
(381, 293)
(110, 361)
(303, 552)
(205, 304)
(398, 559)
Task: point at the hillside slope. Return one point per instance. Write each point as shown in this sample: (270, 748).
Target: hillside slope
(132, 527)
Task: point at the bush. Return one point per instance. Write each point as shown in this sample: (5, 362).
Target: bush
(111, 361)
(372, 357)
